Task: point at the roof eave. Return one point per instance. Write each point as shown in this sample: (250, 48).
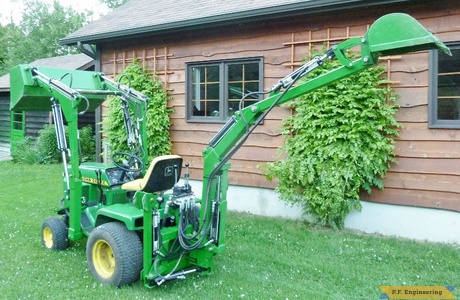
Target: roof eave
(228, 19)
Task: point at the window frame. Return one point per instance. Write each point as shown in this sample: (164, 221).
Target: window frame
(433, 121)
(223, 87)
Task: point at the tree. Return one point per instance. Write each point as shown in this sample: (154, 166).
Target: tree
(38, 33)
(3, 52)
(10, 36)
(112, 4)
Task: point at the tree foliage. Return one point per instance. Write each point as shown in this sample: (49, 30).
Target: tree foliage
(37, 34)
(112, 4)
(157, 123)
(340, 140)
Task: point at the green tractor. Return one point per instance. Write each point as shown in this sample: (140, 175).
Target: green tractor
(138, 220)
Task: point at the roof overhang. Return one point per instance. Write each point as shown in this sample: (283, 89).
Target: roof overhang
(72, 62)
(268, 13)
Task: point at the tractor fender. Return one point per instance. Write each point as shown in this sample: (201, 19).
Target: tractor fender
(126, 213)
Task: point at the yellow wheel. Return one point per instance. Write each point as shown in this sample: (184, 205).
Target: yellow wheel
(48, 237)
(103, 259)
(54, 234)
(114, 254)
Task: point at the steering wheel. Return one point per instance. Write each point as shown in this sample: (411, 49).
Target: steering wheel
(129, 162)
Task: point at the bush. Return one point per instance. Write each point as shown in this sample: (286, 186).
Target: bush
(25, 152)
(46, 145)
(44, 149)
(340, 140)
(87, 144)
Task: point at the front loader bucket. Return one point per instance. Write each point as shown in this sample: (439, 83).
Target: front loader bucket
(399, 33)
(27, 95)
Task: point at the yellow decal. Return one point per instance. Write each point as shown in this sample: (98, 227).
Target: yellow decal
(94, 181)
(417, 292)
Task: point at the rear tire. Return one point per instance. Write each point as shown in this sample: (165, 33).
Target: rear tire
(55, 234)
(114, 254)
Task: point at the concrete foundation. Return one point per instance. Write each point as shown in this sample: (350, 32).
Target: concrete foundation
(390, 220)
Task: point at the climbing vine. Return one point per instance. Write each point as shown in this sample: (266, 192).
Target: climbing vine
(158, 121)
(339, 141)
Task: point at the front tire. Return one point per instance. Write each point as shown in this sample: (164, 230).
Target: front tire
(114, 254)
(55, 234)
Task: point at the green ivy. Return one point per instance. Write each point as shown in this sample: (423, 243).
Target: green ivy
(158, 121)
(339, 140)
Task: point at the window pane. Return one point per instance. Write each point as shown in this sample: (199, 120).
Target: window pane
(205, 90)
(449, 86)
(251, 71)
(212, 74)
(198, 74)
(235, 72)
(242, 79)
(213, 91)
(252, 87)
(18, 117)
(448, 109)
(235, 91)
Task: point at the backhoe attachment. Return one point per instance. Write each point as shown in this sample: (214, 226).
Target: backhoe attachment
(391, 34)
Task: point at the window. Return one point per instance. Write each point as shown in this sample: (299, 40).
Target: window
(18, 120)
(444, 104)
(214, 89)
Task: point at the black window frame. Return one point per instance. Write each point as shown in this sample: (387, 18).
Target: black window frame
(433, 120)
(223, 87)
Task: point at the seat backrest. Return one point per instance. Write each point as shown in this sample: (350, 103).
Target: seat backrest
(163, 173)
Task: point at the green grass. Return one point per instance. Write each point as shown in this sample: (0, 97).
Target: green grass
(266, 258)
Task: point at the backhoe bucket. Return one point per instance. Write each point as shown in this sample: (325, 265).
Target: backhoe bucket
(399, 33)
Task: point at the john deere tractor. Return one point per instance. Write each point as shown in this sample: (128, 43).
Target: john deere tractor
(138, 220)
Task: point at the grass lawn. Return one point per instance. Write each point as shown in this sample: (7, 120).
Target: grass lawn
(266, 258)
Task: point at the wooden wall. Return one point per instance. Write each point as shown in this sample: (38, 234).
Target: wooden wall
(427, 169)
(5, 120)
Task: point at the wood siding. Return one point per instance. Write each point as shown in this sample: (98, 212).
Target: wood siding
(5, 124)
(427, 170)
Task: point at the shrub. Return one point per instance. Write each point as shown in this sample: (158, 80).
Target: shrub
(158, 122)
(24, 152)
(340, 140)
(46, 145)
(44, 149)
(87, 144)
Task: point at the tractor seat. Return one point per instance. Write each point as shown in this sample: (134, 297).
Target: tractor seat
(163, 174)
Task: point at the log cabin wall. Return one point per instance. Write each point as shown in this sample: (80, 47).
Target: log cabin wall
(427, 169)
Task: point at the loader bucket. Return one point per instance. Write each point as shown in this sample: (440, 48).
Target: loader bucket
(27, 95)
(399, 33)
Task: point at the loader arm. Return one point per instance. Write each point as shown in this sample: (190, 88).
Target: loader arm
(71, 93)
